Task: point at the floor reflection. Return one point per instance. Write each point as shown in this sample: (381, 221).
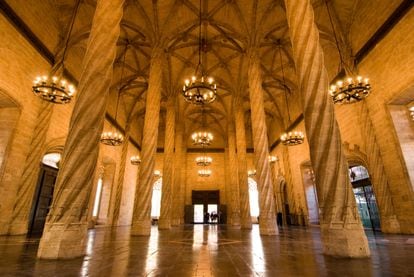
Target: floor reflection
(207, 250)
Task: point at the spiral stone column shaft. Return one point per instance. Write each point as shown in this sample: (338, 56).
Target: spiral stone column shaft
(64, 235)
(121, 177)
(233, 177)
(168, 171)
(178, 162)
(267, 221)
(245, 218)
(141, 219)
(20, 218)
(342, 232)
(24, 198)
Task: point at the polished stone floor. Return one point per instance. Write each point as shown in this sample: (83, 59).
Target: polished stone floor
(209, 250)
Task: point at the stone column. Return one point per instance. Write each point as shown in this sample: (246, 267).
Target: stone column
(121, 173)
(64, 235)
(233, 189)
(245, 218)
(183, 186)
(178, 163)
(141, 219)
(168, 171)
(267, 218)
(342, 232)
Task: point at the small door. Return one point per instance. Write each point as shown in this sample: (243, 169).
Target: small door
(42, 200)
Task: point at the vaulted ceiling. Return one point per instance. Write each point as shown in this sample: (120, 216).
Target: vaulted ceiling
(228, 28)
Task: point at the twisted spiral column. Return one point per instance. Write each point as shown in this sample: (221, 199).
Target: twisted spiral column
(378, 176)
(245, 218)
(178, 161)
(267, 220)
(183, 184)
(121, 177)
(26, 188)
(168, 171)
(233, 177)
(64, 235)
(141, 219)
(342, 232)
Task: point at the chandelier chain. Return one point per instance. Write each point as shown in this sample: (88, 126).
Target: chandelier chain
(69, 34)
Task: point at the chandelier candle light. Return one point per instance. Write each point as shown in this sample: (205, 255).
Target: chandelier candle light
(251, 173)
(135, 160)
(204, 172)
(200, 89)
(203, 160)
(272, 159)
(288, 138)
(54, 89)
(353, 89)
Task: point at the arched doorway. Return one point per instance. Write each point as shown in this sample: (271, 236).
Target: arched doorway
(253, 199)
(365, 198)
(44, 193)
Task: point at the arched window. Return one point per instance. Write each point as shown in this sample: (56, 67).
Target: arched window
(156, 199)
(253, 198)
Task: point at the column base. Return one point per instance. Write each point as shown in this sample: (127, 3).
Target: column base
(390, 225)
(346, 242)
(175, 222)
(246, 224)
(268, 226)
(235, 220)
(141, 228)
(63, 241)
(164, 224)
(18, 228)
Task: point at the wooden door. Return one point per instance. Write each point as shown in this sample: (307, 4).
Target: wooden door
(42, 199)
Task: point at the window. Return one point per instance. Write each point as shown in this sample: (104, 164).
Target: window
(253, 197)
(156, 199)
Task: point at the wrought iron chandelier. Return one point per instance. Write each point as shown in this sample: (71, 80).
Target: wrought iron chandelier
(202, 138)
(351, 89)
(204, 172)
(411, 110)
(200, 89)
(115, 138)
(272, 159)
(251, 172)
(52, 88)
(203, 160)
(135, 160)
(288, 138)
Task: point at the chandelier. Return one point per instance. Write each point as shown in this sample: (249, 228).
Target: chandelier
(251, 172)
(411, 109)
(292, 138)
(200, 89)
(114, 138)
(288, 138)
(204, 172)
(157, 173)
(203, 160)
(135, 160)
(272, 159)
(202, 138)
(353, 89)
(54, 89)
